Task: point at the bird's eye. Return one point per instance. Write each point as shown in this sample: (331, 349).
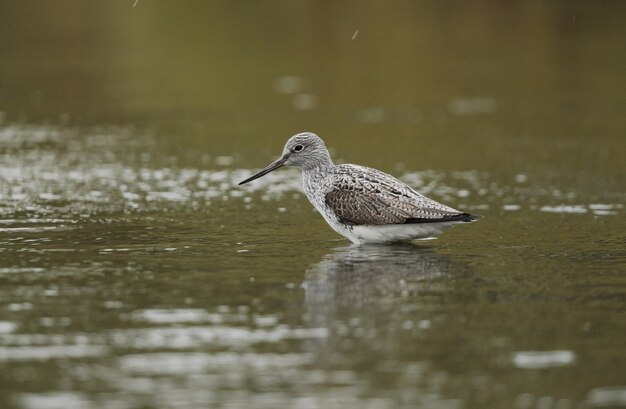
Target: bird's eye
(298, 148)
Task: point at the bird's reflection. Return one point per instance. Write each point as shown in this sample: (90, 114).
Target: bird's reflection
(381, 308)
(357, 278)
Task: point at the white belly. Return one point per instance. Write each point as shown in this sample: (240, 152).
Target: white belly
(391, 232)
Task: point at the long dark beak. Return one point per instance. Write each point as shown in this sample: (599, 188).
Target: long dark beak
(272, 166)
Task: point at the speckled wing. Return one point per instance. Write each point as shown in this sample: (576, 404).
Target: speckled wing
(363, 196)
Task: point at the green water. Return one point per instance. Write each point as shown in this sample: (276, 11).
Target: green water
(135, 273)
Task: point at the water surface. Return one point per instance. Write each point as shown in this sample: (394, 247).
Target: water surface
(135, 273)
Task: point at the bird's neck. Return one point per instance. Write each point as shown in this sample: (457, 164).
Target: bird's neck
(316, 171)
(320, 165)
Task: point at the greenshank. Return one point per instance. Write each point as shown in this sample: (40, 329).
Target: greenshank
(363, 204)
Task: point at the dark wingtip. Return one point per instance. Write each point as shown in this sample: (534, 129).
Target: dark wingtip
(466, 217)
(461, 217)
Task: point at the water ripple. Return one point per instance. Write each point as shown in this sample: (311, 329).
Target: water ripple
(41, 176)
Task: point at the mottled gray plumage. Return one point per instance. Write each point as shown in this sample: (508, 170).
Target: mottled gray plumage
(361, 203)
(361, 195)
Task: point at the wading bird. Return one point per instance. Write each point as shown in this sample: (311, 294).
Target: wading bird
(362, 204)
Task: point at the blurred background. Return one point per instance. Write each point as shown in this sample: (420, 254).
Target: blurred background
(505, 79)
(134, 273)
